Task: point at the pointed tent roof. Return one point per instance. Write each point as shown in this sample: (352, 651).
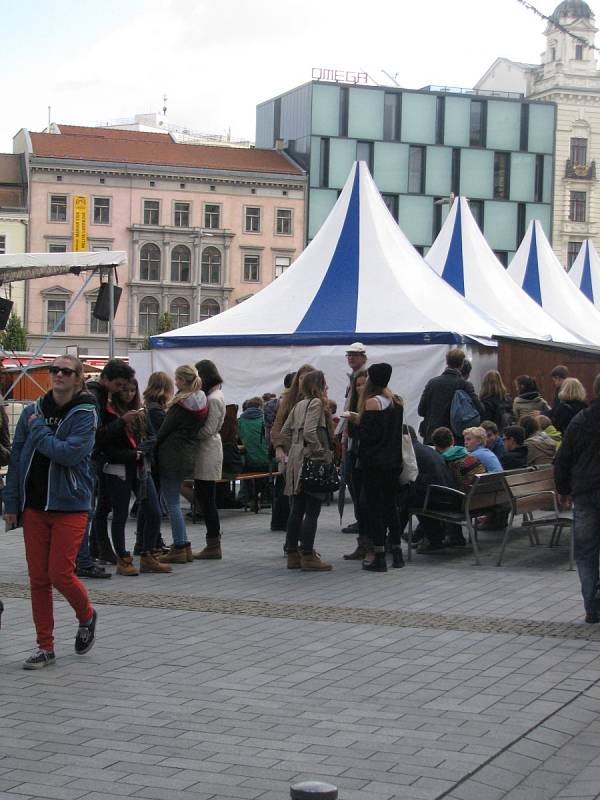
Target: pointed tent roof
(461, 255)
(537, 270)
(585, 272)
(359, 279)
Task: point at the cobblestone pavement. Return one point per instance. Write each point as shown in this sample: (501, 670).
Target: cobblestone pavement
(234, 679)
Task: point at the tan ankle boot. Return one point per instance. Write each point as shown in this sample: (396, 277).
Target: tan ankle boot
(125, 566)
(148, 563)
(311, 562)
(189, 556)
(212, 549)
(176, 555)
(294, 560)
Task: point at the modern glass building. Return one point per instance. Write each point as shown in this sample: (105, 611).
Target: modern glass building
(421, 146)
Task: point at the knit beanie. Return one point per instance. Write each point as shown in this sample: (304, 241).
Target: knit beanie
(380, 374)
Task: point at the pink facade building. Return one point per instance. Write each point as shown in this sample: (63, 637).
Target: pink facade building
(204, 227)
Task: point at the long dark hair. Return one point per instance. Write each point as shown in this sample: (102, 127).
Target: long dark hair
(314, 387)
(209, 374)
(289, 400)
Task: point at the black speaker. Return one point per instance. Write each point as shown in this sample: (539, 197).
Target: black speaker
(102, 306)
(5, 309)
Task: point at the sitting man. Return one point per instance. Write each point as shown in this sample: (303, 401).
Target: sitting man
(541, 449)
(251, 431)
(548, 427)
(515, 454)
(493, 440)
(475, 444)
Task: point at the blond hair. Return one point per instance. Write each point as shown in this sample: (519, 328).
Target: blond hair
(193, 383)
(478, 432)
(571, 389)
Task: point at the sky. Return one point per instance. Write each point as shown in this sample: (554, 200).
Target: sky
(97, 62)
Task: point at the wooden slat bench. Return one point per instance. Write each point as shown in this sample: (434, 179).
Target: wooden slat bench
(242, 476)
(531, 492)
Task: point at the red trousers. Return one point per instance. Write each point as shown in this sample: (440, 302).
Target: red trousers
(52, 540)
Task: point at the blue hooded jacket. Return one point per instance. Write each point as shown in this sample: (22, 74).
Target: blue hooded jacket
(70, 479)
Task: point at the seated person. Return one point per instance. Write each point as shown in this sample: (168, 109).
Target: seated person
(463, 465)
(547, 426)
(251, 431)
(515, 455)
(541, 449)
(475, 444)
(493, 439)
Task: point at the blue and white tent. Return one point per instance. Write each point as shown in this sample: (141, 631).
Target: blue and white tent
(536, 269)
(360, 279)
(461, 255)
(585, 272)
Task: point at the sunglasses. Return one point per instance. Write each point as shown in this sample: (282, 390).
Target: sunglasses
(67, 371)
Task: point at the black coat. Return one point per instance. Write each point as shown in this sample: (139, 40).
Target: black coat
(565, 411)
(498, 410)
(433, 469)
(436, 400)
(380, 439)
(577, 463)
(513, 459)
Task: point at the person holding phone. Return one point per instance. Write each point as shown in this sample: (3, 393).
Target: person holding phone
(49, 491)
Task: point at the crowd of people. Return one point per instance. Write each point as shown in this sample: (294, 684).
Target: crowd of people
(85, 450)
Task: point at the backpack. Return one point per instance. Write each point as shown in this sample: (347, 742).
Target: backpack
(463, 413)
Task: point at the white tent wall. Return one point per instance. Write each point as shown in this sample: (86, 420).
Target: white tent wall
(248, 371)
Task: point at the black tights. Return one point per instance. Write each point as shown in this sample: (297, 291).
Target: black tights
(302, 522)
(381, 489)
(206, 497)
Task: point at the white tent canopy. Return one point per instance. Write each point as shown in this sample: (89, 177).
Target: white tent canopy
(585, 272)
(27, 266)
(537, 271)
(461, 255)
(359, 279)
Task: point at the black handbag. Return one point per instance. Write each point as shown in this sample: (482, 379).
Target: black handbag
(318, 476)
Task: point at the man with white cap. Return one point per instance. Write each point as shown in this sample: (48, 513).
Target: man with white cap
(356, 358)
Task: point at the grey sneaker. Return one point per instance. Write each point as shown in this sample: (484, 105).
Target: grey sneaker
(39, 659)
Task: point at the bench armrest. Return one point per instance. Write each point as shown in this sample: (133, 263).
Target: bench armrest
(442, 492)
(516, 500)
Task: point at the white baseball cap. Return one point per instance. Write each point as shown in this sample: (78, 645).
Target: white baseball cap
(357, 347)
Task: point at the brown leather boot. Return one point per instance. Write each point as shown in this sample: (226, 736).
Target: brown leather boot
(311, 562)
(125, 566)
(212, 549)
(176, 555)
(294, 560)
(148, 563)
(189, 556)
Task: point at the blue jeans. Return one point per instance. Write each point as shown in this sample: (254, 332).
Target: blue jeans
(169, 488)
(586, 535)
(149, 516)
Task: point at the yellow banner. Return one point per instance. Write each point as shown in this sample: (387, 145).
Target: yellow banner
(80, 224)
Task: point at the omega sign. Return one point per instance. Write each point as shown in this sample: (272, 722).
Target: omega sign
(338, 75)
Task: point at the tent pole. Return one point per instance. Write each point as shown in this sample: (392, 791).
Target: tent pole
(111, 313)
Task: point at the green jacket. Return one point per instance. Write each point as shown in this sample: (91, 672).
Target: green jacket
(251, 430)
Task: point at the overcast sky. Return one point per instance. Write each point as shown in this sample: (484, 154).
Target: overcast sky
(93, 62)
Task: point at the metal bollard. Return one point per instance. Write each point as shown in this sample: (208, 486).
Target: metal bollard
(313, 790)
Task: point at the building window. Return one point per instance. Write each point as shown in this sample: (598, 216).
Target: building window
(573, 249)
(181, 259)
(97, 325)
(281, 264)
(57, 247)
(577, 206)
(476, 207)
(521, 219)
(324, 164)
(148, 316)
(440, 118)
(416, 169)
(578, 152)
(455, 173)
(501, 176)
(391, 116)
(477, 123)
(251, 268)
(179, 311)
(181, 215)
(151, 212)
(344, 102)
(2, 245)
(578, 52)
(539, 179)
(101, 210)
(58, 208)
(438, 202)
(524, 131)
(364, 152)
(553, 54)
(55, 309)
(150, 263)
(391, 202)
(283, 224)
(502, 256)
(212, 216)
(252, 219)
(211, 266)
(209, 308)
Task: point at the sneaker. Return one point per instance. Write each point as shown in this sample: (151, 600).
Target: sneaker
(352, 528)
(39, 659)
(93, 571)
(84, 641)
